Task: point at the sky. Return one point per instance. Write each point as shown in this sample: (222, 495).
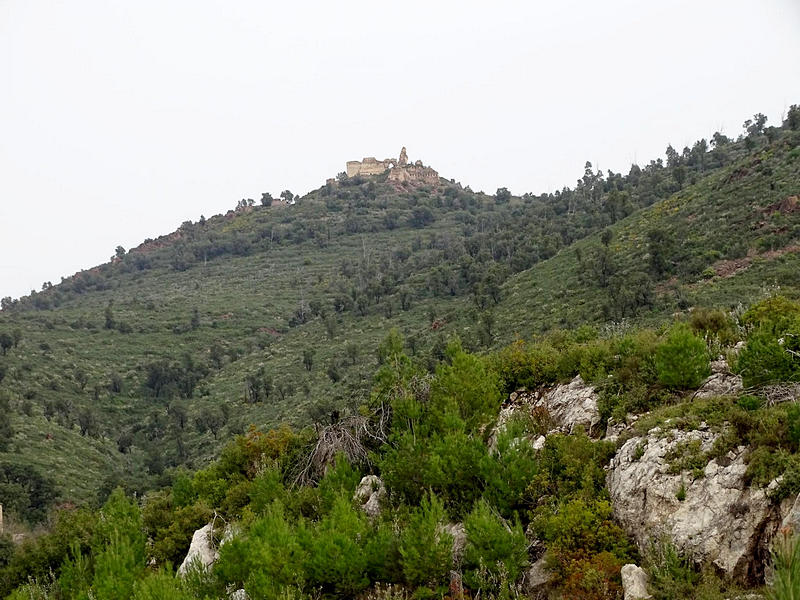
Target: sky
(119, 120)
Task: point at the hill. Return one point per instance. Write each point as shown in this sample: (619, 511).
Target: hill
(275, 313)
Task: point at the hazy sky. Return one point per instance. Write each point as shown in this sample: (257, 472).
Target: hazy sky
(120, 119)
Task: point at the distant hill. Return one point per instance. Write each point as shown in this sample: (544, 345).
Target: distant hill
(270, 314)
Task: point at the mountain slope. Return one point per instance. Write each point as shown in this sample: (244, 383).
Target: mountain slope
(274, 314)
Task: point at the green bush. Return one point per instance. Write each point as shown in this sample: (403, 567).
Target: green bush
(265, 561)
(493, 548)
(425, 549)
(682, 360)
(465, 387)
(160, 586)
(767, 357)
(336, 561)
(672, 575)
(581, 526)
(265, 489)
(507, 472)
(518, 366)
(786, 562)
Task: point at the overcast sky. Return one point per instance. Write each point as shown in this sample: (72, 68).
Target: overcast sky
(121, 119)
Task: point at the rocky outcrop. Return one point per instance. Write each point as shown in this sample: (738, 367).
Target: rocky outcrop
(634, 583)
(569, 406)
(572, 405)
(369, 493)
(722, 382)
(202, 551)
(714, 517)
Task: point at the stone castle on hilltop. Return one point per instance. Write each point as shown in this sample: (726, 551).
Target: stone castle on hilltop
(400, 170)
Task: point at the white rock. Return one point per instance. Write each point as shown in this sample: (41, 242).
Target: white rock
(537, 577)
(539, 442)
(201, 550)
(572, 405)
(369, 493)
(720, 383)
(720, 522)
(239, 595)
(634, 582)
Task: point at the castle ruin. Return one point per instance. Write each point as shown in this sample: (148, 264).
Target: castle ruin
(399, 169)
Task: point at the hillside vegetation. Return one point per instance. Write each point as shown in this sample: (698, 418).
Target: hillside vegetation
(286, 498)
(276, 313)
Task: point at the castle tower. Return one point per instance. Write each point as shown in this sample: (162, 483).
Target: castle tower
(403, 160)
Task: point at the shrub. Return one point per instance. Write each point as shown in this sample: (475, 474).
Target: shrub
(518, 367)
(465, 387)
(336, 561)
(671, 574)
(768, 357)
(581, 526)
(508, 471)
(425, 548)
(682, 360)
(158, 586)
(494, 545)
(266, 560)
(786, 561)
(593, 578)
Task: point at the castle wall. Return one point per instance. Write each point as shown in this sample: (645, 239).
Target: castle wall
(417, 173)
(368, 166)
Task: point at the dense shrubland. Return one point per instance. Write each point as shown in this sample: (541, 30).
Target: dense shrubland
(428, 441)
(158, 358)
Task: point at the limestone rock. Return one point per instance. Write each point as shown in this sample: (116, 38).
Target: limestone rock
(634, 582)
(239, 595)
(201, 550)
(568, 406)
(369, 493)
(537, 577)
(721, 382)
(571, 405)
(716, 518)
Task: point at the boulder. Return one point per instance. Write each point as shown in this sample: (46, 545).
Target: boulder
(634, 583)
(201, 551)
(571, 405)
(239, 595)
(537, 577)
(716, 518)
(721, 382)
(369, 493)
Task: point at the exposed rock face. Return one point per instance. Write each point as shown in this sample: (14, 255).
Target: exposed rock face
(721, 382)
(369, 493)
(634, 583)
(201, 550)
(572, 405)
(716, 518)
(568, 405)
